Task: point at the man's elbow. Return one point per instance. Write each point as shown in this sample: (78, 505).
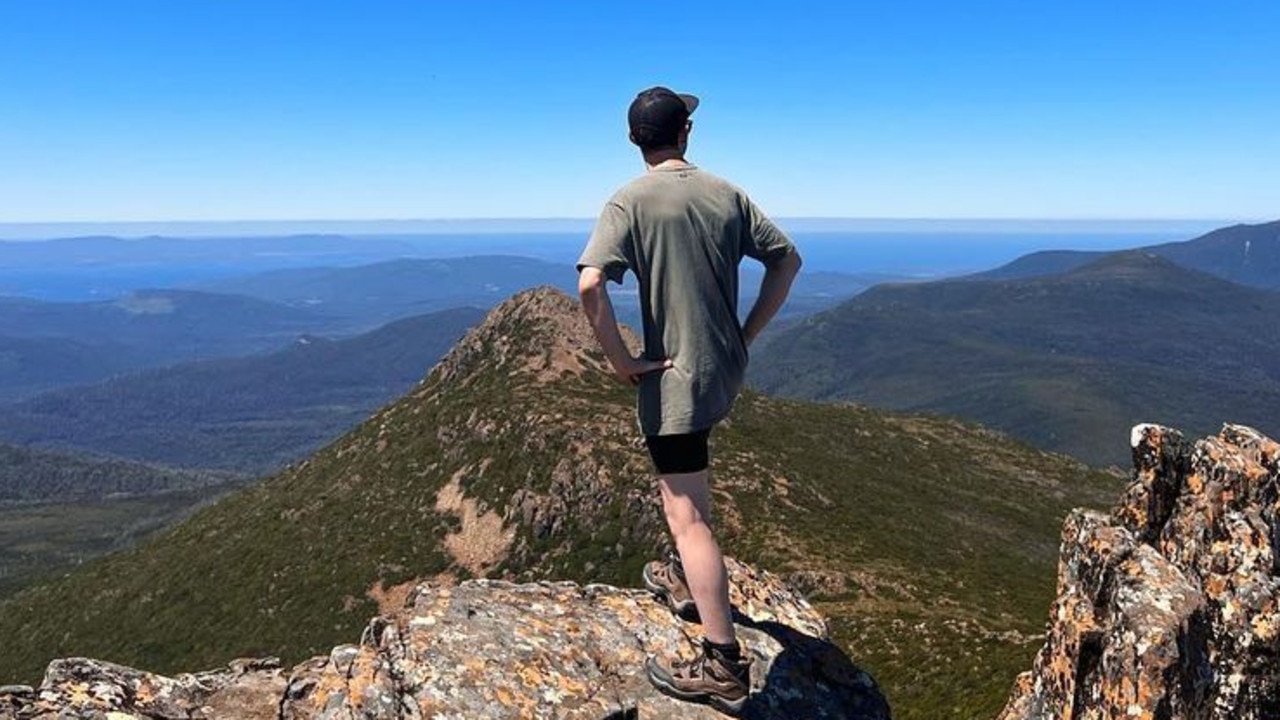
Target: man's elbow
(788, 264)
(590, 283)
(795, 260)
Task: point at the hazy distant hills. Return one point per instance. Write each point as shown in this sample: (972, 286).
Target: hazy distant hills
(924, 539)
(374, 293)
(1068, 361)
(103, 251)
(1245, 254)
(371, 294)
(170, 324)
(33, 365)
(813, 290)
(48, 345)
(98, 267)
(53, 344)
(249, 414)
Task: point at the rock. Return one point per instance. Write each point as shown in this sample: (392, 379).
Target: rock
(84, 688)
(492, 649)
(1170, 607)
(15, 699)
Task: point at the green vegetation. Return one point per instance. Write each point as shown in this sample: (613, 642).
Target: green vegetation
(929, 542)
(944, 536)
(41, 541)
(39, 476)
(1068, 362)
(58, 510)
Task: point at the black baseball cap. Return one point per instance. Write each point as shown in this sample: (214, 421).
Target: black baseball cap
(657, 116)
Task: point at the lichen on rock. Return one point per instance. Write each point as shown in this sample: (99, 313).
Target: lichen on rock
(1169, 607)
(493, 649)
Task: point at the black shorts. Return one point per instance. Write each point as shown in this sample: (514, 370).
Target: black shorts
(685, 453)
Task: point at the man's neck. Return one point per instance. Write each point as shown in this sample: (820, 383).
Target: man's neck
(664, 158)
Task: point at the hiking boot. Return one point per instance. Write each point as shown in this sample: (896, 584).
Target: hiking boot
(710, 678)
(666, 581)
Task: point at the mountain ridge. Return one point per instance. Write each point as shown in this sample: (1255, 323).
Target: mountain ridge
(1242, 253)
(1066, 361)
(518, 458)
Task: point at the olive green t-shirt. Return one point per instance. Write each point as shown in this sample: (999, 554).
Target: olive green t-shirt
(683, 231)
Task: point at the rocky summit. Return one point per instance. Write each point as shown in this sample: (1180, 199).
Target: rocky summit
(1169, 607)
(491, 649)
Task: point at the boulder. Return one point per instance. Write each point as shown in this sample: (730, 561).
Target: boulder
(1169, 607)
(491, 649)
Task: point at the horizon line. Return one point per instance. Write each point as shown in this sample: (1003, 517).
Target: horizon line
(136, 229)
(577, 218)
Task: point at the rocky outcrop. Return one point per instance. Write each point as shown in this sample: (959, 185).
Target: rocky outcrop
(490, 649)
(1169, 607)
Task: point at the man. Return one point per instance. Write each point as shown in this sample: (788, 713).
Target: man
(682, 232)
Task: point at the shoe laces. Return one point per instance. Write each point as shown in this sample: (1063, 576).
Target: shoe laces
(697, 666)
(675, 565)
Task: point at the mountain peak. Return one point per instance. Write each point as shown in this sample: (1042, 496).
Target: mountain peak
(539, 334)
(1129, 265)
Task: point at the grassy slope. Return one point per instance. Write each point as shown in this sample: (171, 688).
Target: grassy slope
(921, 537)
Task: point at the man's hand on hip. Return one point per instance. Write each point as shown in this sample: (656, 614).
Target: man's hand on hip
(631, 369)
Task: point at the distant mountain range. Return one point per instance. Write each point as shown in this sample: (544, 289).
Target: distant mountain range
(250, 414)
(104, 251)
(372, 294)
(177, 323)
(29, 366)
(1244, 254)
(47, 345)
(1067, 361)
(930, 543)
(369, 295)
(50, 345)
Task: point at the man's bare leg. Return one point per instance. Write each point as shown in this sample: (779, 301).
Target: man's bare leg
(686, 501)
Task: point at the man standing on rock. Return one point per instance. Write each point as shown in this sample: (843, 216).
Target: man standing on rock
(683, 232)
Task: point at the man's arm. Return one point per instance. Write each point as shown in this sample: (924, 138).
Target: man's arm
(774, 288)
(599, 309)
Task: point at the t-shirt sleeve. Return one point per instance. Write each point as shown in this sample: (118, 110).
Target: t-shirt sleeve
(609, 244)
(762, 239)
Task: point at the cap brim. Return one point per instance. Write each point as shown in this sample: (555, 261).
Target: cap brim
(690, 101)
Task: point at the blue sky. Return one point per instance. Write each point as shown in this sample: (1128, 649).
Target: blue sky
(170, 110)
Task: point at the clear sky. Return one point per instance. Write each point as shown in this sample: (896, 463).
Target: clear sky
(204, 110)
